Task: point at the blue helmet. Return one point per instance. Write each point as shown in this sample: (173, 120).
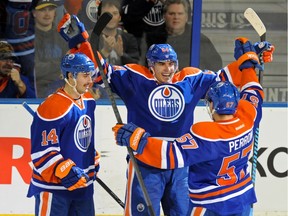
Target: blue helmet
(161, 53)
(225, 97)
(76, 63)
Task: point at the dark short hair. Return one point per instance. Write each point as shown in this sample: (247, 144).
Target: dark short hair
(170, 2)
(103, 3)
(6, 51)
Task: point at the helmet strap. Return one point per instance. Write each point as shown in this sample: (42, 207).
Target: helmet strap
(210, 113)
(73, 86)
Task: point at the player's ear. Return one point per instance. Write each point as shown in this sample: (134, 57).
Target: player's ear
(69, 75)
(152, 70)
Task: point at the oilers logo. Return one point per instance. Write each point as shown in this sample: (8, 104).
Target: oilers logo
(83, 133)
(166, 103)
(92, 9)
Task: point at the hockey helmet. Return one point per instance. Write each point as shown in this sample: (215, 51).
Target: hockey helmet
(225, 97)
(161, 53)
(77, 63)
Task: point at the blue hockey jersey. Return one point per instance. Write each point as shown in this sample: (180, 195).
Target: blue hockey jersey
(165, 110)
(62, 128)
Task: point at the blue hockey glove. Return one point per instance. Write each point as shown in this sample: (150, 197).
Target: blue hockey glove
(72, 177)
(131, 135)
(265, 51)
(245, 54)
(72, 30)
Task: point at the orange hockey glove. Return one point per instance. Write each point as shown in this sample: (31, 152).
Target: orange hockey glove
(72, 177)
(245, 54)
(131, 135)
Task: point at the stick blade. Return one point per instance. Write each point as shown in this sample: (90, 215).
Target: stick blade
(255, 21)
(103, 20)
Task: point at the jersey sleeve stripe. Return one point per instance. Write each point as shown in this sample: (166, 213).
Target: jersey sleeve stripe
(221, 191)
(40, 154)
(51, 162)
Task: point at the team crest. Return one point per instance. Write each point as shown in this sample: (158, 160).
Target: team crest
(83, 133)
(92, 10)
(166, 103)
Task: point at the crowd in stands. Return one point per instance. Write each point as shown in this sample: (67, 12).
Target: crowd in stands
(37, 47)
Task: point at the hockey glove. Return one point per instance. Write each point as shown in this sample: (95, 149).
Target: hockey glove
(265, 51)
(245, 54)
(72, 177)
(131, 135)
(72, 30)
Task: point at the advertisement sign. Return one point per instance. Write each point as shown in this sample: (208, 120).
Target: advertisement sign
(15, 161)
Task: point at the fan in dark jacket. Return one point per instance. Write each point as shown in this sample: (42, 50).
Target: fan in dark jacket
(116, 45)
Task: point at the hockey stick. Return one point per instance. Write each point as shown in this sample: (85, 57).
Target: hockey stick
(113, 195)
(100, 25)
(106, 188)
(260, 28)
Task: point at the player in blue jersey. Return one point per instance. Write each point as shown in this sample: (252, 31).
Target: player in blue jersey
(217, 152)
(161, 100)
(63, 144)
(12, 83)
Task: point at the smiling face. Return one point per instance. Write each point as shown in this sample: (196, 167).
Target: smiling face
(163, 71)
(6, 66)
(83, 82)
(6, 59)
(44, 17)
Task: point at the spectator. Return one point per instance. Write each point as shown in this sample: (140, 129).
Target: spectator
(19, 32)
(12, 83)
(65, 161)
(49, 49)
(177, 33)
(116, 45)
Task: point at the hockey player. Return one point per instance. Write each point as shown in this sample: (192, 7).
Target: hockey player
(162, 102)
(62, 150)
(217, 152)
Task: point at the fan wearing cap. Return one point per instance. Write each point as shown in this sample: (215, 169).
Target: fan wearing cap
(42, 4)
(12, 83)
(49, 49)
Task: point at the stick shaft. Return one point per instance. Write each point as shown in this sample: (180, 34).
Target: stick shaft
(95, 37)
(112, 194)
(28, 108)
(260, 28)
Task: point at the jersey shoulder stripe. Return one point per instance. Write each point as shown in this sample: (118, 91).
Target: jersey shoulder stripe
(242, 122)
(187, 71)
(141, 70)
(87, 96)
(55, 106)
